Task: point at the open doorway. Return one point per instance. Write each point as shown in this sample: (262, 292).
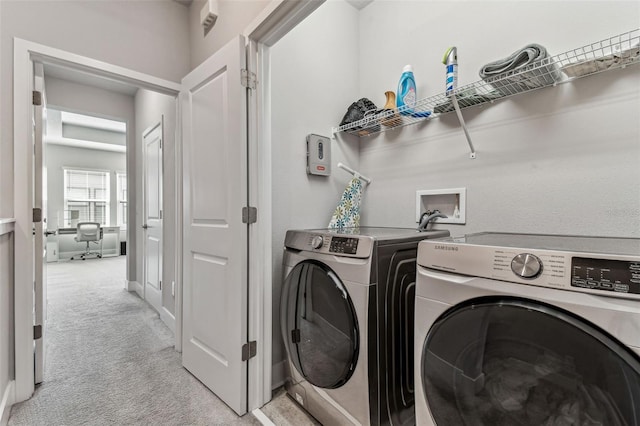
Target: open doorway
(94, 165)
(85, 161)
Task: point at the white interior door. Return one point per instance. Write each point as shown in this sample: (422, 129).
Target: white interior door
(152, 150)
(215, 237)
(39, 221)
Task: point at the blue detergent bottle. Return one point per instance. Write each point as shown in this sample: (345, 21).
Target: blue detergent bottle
(406, 96)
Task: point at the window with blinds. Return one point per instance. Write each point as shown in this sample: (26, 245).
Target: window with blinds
(121, 179)
(86, 196)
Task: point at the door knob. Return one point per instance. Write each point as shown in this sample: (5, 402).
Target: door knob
(47, 233)
(145, 226)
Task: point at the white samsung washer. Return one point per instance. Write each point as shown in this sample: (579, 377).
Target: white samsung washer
(347, 323)
(516, 329)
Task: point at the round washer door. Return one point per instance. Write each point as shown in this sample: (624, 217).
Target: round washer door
(319, 325)
(511, 361)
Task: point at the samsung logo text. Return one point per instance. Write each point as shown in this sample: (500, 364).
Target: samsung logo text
(446, 248)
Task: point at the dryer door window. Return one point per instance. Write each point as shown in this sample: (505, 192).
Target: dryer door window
(510, 361)
(320, 327)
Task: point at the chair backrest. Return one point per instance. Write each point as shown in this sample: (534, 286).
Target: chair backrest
(88, 231)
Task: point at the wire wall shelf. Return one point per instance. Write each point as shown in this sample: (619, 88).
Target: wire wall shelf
(609, 54)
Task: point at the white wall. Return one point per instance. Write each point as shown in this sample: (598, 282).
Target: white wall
(313, 81)
(59, 157)
(150, 107)
(146, 36)
(561, 160)
(74, 97)
(234, 17)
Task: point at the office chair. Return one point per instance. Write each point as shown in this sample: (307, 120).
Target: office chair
(91, 233)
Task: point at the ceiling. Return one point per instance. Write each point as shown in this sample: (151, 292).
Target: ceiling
(98, 133)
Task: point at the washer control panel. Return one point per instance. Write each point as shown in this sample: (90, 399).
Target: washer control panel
(605, 274)
(317, 242)
(551, 263)
(327, 243)
(526, 265)
(343, 245)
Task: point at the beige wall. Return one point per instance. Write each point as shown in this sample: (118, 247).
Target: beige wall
(234, 17)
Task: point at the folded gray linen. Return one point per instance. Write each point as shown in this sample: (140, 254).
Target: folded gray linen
(527, 71)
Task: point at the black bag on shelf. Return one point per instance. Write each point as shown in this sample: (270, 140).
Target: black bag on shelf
(357, 111)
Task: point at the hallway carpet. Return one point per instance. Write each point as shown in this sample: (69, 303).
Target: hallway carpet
(110, 359)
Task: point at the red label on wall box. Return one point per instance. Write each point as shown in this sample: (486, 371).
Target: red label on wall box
(321, 168)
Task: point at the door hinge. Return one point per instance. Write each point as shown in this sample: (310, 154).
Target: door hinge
(248, 79)
(36, 98)
(37, 215)
(249, 350)
(37, 332)
(249, 215)
(160, 284)
(160, 214)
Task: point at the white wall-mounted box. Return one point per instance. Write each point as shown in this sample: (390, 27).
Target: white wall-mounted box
(451, 202)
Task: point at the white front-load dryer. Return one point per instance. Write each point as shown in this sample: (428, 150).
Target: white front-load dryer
(347, 323)
(516, 329)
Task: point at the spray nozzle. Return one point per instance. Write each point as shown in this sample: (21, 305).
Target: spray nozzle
(450, 56)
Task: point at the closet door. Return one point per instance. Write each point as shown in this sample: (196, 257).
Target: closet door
(215, 237)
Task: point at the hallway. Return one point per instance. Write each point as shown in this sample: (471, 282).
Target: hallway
(110, 359)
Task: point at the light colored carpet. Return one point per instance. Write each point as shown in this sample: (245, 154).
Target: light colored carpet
(110, 360)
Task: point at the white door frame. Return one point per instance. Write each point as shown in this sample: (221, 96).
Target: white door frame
(27, 53)
(277, 19)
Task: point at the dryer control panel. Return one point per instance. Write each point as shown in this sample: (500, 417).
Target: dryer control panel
(605, 274)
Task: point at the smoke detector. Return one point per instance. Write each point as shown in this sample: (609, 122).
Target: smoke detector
(209, 15)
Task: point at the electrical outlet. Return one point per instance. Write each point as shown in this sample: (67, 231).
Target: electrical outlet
(173, 289)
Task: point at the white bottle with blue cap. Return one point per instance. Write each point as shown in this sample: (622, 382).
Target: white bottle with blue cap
(406, 96)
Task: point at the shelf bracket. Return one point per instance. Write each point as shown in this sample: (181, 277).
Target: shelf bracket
(472, 155)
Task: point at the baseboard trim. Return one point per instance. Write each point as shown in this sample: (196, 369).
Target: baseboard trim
(278, 374)
(137, 287)
(262, 418)
(8, 399)
(169, 319)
